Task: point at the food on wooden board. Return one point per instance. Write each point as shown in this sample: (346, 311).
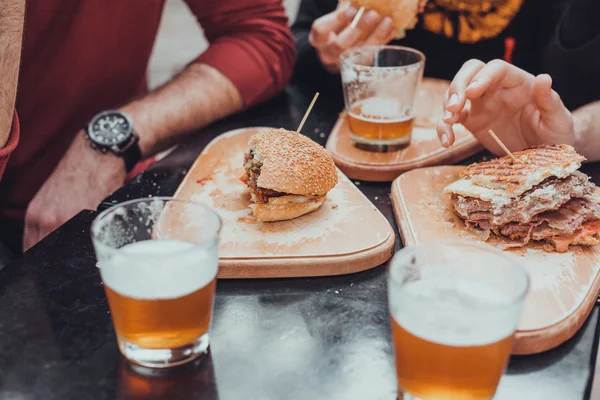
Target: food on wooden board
(288, 174)
(541, 197)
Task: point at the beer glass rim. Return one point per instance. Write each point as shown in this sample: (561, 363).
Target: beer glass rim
(104, 214)
(344, 57)
(516, 268)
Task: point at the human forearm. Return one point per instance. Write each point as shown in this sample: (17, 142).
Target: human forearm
(587, 130)
(197, 97)
(11, 35)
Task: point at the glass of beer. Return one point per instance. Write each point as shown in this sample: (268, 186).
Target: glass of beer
(454, 309)
(158, 258)
(380, 86)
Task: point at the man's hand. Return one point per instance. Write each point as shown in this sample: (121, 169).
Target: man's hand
(520, 108)
(82, 179)
(331, 34)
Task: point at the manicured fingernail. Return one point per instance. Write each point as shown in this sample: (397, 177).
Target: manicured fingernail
(473, 84)
(445, 139)
(387, 22)
(447, 115)
(350, 12)
(453, 100)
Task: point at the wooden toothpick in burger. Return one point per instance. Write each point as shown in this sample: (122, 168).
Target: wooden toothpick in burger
(312, 103)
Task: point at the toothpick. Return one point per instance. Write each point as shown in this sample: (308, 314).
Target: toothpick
(312, 103)
(503, 146)
(357, 17)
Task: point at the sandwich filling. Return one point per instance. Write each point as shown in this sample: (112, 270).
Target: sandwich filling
(559, 210)
(252, 166)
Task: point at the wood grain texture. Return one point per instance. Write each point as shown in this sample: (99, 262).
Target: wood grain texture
(424, 150)
(346, 234)
(564, 287)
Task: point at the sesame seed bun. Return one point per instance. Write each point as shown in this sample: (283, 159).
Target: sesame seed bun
(285, 207)
(292, 163)
(402, 12)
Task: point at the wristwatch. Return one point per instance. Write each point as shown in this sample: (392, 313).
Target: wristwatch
(112, 131)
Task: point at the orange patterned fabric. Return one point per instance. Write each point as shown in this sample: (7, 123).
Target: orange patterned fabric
(470, 21)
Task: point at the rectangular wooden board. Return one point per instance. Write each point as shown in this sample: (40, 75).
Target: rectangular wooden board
(346, 234)
(564, 287)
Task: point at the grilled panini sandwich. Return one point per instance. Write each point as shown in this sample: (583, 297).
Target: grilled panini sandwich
(542, 197)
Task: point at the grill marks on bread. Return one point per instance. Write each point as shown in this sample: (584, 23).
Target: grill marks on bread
(538, 162)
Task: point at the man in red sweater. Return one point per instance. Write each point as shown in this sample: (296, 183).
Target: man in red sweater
(83, 116)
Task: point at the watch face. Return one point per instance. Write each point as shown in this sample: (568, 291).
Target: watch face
(110, 128)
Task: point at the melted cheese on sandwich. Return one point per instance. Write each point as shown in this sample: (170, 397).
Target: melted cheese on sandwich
(467, 188)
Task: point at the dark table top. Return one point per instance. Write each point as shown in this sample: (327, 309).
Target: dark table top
(302, 338)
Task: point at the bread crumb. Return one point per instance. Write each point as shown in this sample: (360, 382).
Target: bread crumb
(334, 207)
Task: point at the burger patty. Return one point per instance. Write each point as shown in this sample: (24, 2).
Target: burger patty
(252, 167)
(551, 194)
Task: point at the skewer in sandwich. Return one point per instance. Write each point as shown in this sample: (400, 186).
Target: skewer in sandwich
(288, 174)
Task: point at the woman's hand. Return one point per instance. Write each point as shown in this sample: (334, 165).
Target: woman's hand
(520, 108)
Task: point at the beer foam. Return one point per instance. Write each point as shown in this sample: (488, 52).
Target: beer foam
(383, 108)
(159, 269)
(454, 312)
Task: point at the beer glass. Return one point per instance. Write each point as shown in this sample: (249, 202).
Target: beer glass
(158, 258)
(454, 310)
(380, 86)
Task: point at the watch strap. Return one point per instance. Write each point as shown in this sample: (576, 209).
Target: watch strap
(131, 153)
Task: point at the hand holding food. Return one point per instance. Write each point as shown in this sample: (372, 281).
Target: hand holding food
(288, 174)
(521, 108)
(331, 34)
(541, 197)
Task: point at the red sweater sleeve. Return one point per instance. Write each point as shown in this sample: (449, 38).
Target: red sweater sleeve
(250, 43)
(13, 140)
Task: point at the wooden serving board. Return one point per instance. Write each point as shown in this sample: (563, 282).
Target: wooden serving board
(346, 234)
(564, 287)
(424, 150)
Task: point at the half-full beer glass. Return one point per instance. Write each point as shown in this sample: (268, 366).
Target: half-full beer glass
(454, 307)
(158, 258)
(380, 85)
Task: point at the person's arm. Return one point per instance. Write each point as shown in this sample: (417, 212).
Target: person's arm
(11, 35)
(250, 58)
(587, 131)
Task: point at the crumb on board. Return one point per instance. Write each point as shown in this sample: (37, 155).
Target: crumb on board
(203, 179)
(357, 183)
(321, 135)
(335, 207)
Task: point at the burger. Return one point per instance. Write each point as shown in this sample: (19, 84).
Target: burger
(402, 12)
(542, 197)
(288, 174)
